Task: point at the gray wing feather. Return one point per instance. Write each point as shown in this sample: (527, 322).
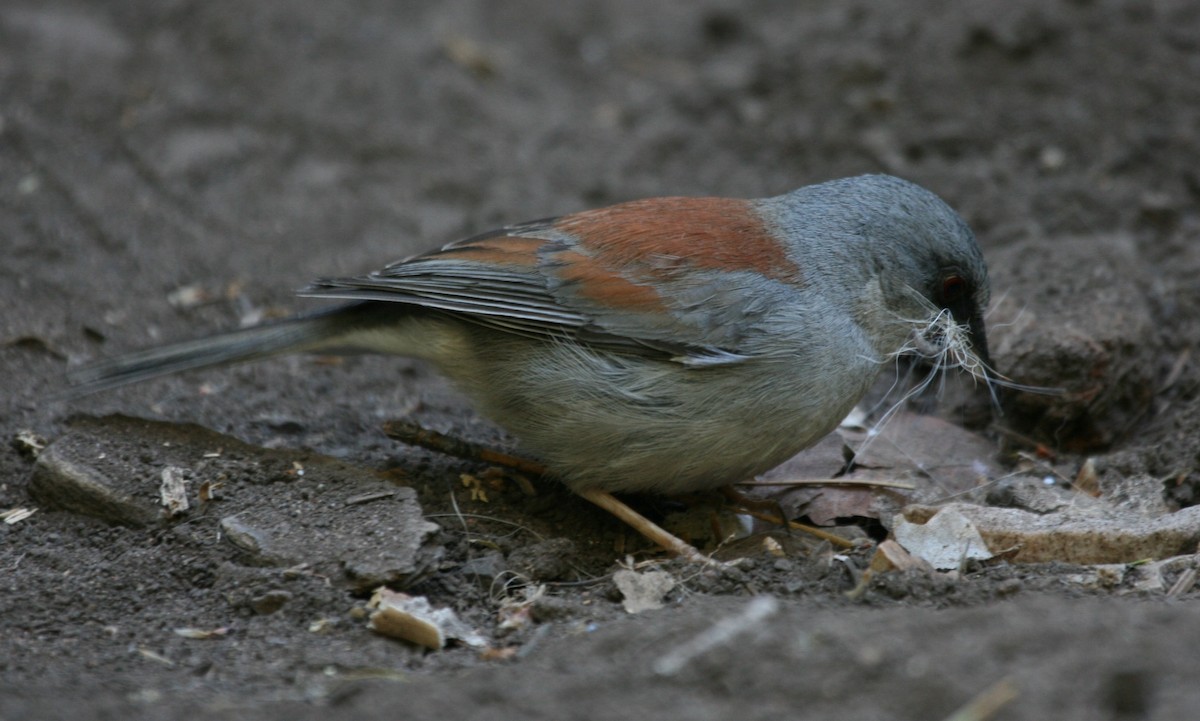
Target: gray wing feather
(515, 299)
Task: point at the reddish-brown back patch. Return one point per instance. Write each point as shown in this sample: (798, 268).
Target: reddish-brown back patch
(712, 233)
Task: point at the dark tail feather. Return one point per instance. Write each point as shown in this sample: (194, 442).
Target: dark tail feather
(293, 335)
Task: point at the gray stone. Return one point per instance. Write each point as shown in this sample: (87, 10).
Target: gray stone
(277, 508)
(365, 544)
(1078, 315)
(75, 474)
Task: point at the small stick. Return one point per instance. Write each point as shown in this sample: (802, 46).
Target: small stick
(1183, 584)
(869, 482)
(655, 533)
(414, 435)
(988, 703)
(811, 530)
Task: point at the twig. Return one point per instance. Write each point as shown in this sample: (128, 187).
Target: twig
(649, 529)
(1183, 584)
(987, 703)
(415, 435)
(492, 519)
(832, 482)
(811, 530)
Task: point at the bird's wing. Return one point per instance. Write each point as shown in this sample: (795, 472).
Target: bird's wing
(674, 277)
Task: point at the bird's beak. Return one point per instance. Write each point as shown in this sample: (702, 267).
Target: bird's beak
(978, 336)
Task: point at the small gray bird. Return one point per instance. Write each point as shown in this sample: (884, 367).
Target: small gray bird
(662, 345)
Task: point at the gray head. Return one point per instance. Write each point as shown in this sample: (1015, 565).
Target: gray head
(930, 250)
(885, 230)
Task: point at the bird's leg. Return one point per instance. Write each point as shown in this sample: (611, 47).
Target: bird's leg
(414, 434)
(649, 529)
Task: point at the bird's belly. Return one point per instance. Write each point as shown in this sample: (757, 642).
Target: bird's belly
(633, 424)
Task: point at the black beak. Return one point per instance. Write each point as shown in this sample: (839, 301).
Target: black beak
(978, 336)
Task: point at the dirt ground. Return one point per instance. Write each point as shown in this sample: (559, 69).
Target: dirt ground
(169, 169)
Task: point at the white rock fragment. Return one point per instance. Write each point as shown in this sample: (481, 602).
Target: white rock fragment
(173, 491)
(643, 591)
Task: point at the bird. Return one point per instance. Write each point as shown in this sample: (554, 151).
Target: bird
(662, 345)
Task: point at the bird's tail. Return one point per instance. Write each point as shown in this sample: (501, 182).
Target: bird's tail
(322, 331)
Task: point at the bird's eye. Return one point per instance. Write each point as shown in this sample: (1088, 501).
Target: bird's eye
(953, 288)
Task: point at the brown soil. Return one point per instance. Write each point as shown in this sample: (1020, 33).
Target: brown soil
(236, 150)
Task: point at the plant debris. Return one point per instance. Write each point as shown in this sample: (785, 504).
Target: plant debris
(643, 591)
(413, 619)
(202, 634)
(945, 540)
(28, 443)
(14, 516)
(173, 491)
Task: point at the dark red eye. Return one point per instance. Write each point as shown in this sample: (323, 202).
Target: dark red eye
(953, 288)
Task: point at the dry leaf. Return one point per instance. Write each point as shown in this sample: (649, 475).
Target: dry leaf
(16, 515)
(945, 540)
(28, 443)
(943, 457)
(210, 491)
(824, 505)
(1087, 480)
(890, 555)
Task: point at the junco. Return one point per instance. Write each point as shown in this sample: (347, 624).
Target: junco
(662, 345)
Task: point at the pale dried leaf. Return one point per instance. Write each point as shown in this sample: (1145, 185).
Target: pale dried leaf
(945, 540)
(890, 555)
(202, 634)
(1087, 480)
(16, 515)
